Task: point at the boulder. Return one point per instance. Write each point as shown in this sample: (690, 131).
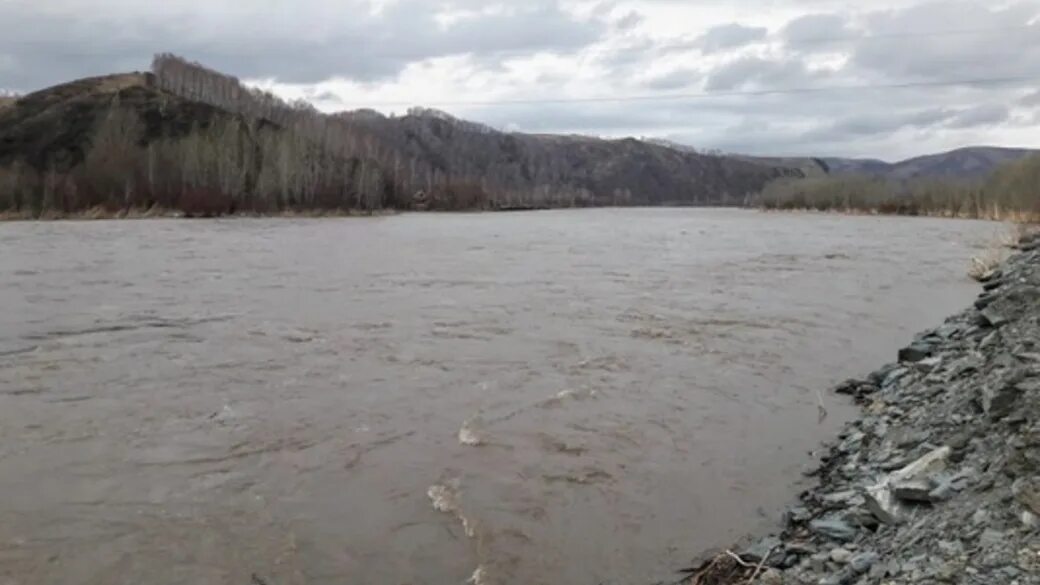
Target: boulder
(1027, 493)
(863, 562)
(840, 556)
(990, 317)
(999, 396)
(833, 528)
(916, 351)
(915, 490)
(882, 500)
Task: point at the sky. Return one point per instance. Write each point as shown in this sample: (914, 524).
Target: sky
(885, 79)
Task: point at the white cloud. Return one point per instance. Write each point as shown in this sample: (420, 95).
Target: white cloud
(382, 53)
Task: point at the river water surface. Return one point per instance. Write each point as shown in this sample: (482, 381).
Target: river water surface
(563, 397)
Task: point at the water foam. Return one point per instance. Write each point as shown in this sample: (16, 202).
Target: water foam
(469, 433)
(480, 577)
(445, 498)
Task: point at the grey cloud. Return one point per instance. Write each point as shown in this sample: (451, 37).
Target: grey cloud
(983, 115)
(729, 36)
(623, 58)
(628, 21)
(871, 124)
(356, 43)
(929, 119)
(911, 44)
(674, 79)
(758, 72)
(42, 43)
(815, 31)
(1030, 100)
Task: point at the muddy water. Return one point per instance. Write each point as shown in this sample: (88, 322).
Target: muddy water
(571, 397)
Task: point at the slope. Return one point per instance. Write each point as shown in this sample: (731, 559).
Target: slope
(976, 162)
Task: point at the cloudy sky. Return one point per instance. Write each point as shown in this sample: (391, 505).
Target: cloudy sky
(885, 78)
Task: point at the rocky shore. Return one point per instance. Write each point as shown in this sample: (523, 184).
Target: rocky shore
(939, 480)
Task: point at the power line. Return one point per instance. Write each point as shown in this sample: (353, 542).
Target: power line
(914, 34)
(710, 95)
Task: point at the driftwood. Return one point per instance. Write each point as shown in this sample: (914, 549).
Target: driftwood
(725, 568)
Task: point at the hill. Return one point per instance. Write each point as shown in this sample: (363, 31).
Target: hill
(121, 141)
(186, 137)
(521, 170)
(977, 162)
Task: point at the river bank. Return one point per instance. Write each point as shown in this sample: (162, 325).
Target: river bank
(101, 213)
(939, 480)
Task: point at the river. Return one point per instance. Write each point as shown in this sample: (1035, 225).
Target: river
(558, 397)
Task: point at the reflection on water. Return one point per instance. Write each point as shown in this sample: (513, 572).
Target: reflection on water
(552, 397)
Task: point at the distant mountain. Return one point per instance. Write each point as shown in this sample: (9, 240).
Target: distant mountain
(964, 163)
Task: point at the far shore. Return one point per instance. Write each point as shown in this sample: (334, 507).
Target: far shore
(137, 213)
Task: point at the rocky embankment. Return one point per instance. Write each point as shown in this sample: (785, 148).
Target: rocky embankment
(939, 481)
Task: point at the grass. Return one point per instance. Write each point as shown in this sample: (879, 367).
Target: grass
(985, 263)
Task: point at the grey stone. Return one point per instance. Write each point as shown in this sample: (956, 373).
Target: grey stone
(916, 490)
(916, 352)
(992, 285)
(991, 317)
(984, 301)
(800, 548)
(864, 561)
(961, 440)
(1030, 520)
(948, 330)
(819, 562)
(770, 577)
(883, 505)
(991, 537)
(877, 377)
(1027, 493)
(796, 515)
(928, 364)
(833, 528)
(848, 387)
(981, 516)
(993, 275)
(894, 568)
(838, 579)
(942, 492)
(998, 398)
(769, 545)
(840, 556)
(840, 497)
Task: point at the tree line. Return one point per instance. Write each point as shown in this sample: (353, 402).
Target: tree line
(378, 173)
(1012, 192)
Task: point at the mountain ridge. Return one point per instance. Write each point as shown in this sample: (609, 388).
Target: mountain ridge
(968, 162)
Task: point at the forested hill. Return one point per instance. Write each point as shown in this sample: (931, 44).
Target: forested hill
(186, 137)
(518, 169)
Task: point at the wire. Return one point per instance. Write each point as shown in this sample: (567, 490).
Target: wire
(911, 35)
(710, 95)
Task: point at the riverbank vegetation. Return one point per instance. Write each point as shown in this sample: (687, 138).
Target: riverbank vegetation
(1012, 193)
